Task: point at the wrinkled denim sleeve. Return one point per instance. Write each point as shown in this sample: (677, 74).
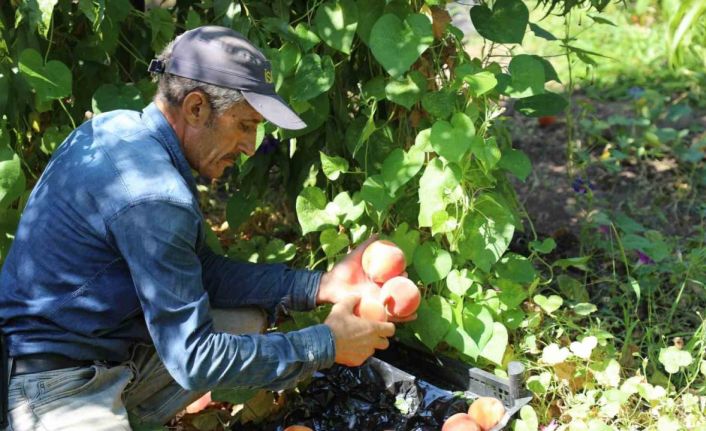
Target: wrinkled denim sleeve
(158, 242)
(271, 286)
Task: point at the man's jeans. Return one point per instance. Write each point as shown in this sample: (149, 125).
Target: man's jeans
(139, 392)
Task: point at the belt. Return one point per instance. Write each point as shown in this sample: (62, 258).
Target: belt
(44, 362)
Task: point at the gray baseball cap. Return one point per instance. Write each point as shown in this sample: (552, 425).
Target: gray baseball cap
(221, 56)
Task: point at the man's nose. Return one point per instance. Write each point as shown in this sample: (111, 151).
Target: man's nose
(249, 147)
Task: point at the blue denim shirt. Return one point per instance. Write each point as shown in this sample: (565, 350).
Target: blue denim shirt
(110, 251)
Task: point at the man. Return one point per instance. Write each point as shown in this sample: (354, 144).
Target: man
(109, 297)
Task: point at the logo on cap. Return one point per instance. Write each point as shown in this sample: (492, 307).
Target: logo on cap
(268, 76)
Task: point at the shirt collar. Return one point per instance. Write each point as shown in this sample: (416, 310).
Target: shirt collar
(157, 122)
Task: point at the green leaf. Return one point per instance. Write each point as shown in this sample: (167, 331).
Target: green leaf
(408, 90)
(442, 222)
(38, 14)
(435, 185)
(12, 179)
(109, 97)
(440, 104)
(434, 319)
(314, 76)
(162, 25)
(673, 359)
(572, 289)
(516, 162)
(431, 262)
(276, 251)
(193, 19)
(51, 80)
(541, 105)
(576, 262)
(368, 13)
(506, 23)
(516, 268)
(53, 137)
(512, 294)
(544, 247)
(332, 242)
(235, 396)
(406, 239)
(347, 209)
(550, 304)
(487, 232)
(472, 331)
(459, 281)
(284, 62)
(306, 38)
(374, 192)
(315, 113)
(452, 140)
(399, 167)
(481, 83)
(494, 349)
(540, 32)
(333, 166)
(539, 384)
(549, 71)
(527, 76)
(584, 309)
(238, 209)
(311, 210)
(397, 44)
(487, 151)
(335, 23)
(94, 10)
(601, 20)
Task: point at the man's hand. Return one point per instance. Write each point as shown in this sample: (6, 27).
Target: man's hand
(356, 338)
(348, 278)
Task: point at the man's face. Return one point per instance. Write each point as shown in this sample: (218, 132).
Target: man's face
(211, 149)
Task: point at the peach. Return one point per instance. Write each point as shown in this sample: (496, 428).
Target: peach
(487, 411)
(400, 296)
(298, 428)
(370, 308)
(199, 404)
(460, 422)
(383, 260)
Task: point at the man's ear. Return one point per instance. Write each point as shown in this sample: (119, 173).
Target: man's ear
(195, 109)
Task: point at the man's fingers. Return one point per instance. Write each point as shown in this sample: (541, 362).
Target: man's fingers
(382, 344)
(385, 329)
(349, 301)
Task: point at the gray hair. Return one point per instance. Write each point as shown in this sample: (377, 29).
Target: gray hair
(173, 89)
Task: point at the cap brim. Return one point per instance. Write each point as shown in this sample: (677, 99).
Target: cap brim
(275, 110)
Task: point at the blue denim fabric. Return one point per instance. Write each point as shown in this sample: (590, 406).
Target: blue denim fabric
(110, 251)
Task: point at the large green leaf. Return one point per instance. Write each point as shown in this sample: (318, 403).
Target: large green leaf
(494, 349)
(506, 23)
(53, 137)
(459, 281)
(451, 140)
(333, 166)
(397, 44)
(335, 23)
(541, 105)
(374, 192)
(277, 251)
(348, 210)
(162, 25)
(314, 76)
(435, 186)
(440, 103)
(527, 76)
(368, 13)
(12, 179)
(516, 268)
(408, 90)
(332, 241)
(311, 210)
(471, 332)
(51, 80)
(434, 318)
(516, 162)
(486, 150)
(401, 166)
(481, 82)
(238, 209)
(487, 232)
(109, 96)
(407, 239)
(37, 13)
(94, 10)
(432, 262)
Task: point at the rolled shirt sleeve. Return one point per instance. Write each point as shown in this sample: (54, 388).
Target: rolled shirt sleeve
(271, 286)
(158, 241)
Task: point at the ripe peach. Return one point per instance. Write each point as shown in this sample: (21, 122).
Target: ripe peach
(400, 296)
(199, 404)
(298, 428)
(383, 260)
(460, 422)
(487, 411)
(370, 308)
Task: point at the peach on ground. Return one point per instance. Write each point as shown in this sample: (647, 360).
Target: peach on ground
(460, 422)
(298, 428)
(199, 404)
(400, 296)
(383, 260)
(487, 411)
